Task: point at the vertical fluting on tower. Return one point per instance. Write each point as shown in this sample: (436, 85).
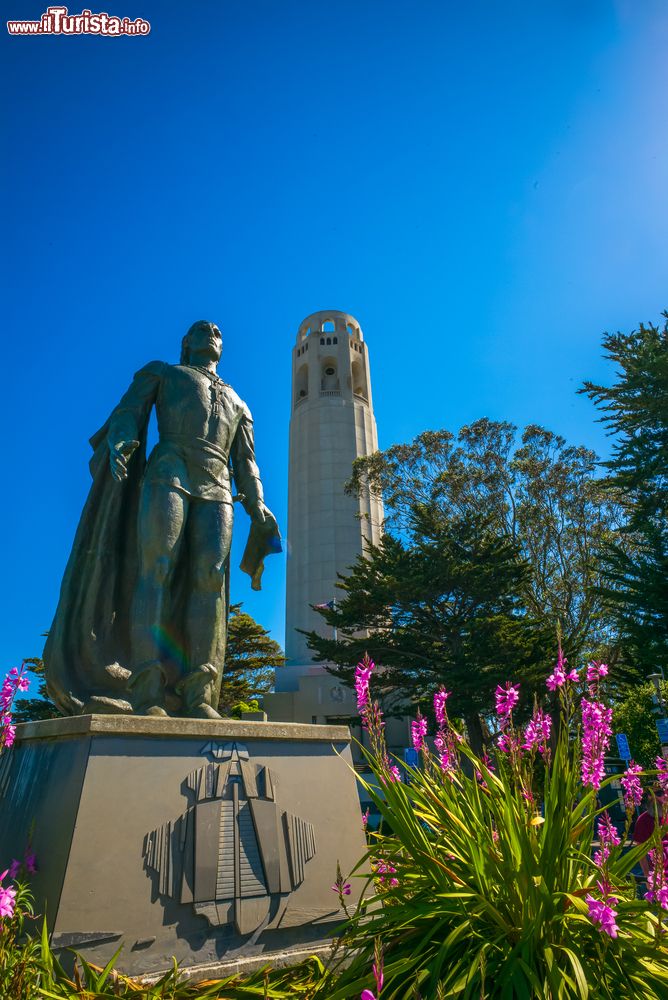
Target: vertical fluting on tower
(331, 424)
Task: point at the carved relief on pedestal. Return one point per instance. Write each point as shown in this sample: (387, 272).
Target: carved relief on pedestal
(234, 854)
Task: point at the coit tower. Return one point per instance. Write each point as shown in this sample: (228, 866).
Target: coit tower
(331, 424)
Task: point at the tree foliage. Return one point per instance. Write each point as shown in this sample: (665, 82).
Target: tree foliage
(635, 715)
(41, 707)
(635, 410)
(251, 656)
(489, 548)
(442, 607)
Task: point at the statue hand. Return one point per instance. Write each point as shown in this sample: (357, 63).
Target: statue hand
(118, 458)
(263, 515)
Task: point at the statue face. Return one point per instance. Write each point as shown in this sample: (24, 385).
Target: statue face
(205, 341)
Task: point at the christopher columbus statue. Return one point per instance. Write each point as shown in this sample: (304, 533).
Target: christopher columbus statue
(142, 618)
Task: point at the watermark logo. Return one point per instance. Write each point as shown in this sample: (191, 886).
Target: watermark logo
(58, 21)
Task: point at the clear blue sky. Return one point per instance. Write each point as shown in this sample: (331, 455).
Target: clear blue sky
(482, 185)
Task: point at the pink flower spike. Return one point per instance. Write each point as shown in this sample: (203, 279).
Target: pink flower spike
(14, 868)
(7, 901)
(440, 698)
(367, 995)
(506, 699)
(596, 733)
(30, 860)
(537, 732)
(602, 915)
(632, 786)
(662, 767)
(418, 732)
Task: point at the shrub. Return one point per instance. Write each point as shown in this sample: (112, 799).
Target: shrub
(487, 886)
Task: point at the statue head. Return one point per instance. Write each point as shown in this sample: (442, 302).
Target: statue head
(203, 339)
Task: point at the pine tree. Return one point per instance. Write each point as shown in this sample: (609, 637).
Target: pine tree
(41, 707)
(635, 410)
(444, 608)
(251, 658)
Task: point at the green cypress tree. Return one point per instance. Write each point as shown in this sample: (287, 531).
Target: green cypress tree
(635, 410)
(251, 656)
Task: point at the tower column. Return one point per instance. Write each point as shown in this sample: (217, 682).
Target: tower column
(331, 424)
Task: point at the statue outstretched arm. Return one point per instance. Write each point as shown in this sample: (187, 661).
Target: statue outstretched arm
(130, 416)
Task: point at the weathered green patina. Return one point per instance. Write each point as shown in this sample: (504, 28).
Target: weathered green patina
(142, 618)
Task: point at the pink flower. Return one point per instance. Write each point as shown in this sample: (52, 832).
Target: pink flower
(346, 889)
(394, 774)
(595, 673)
(367, 995)
(632, 786)
(30, 861)
(608, 837)
(14, 868)
(662, 768)
(440, 698)
(506, 699)
(603, 915)
(7, 731)
(365, 818)
(7, 897)
(537, 732)
(508, 743)
(384, 869)
(596, 733)
(657, 884)
(363, 673)
(418, 732)
(445, 742)
(561, 675)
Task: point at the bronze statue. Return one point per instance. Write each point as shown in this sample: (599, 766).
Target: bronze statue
(142, 618)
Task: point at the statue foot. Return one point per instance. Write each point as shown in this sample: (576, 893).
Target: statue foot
(147, 690)
(203, 711)
(197, 693)
(105, 705)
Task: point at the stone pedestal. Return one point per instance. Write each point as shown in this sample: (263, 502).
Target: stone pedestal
(214, 842)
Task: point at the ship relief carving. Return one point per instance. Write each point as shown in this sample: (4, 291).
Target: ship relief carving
(233, 854)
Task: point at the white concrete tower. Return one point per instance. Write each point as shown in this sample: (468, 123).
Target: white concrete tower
(331, 424)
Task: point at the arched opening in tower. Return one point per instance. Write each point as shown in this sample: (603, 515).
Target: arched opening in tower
(359, 380)
(329, 379)
(301, 383)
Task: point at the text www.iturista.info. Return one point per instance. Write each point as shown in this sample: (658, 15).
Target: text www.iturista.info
(58, 21)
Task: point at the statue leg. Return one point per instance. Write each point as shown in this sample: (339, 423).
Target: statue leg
(209, 534)
(162, 518)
